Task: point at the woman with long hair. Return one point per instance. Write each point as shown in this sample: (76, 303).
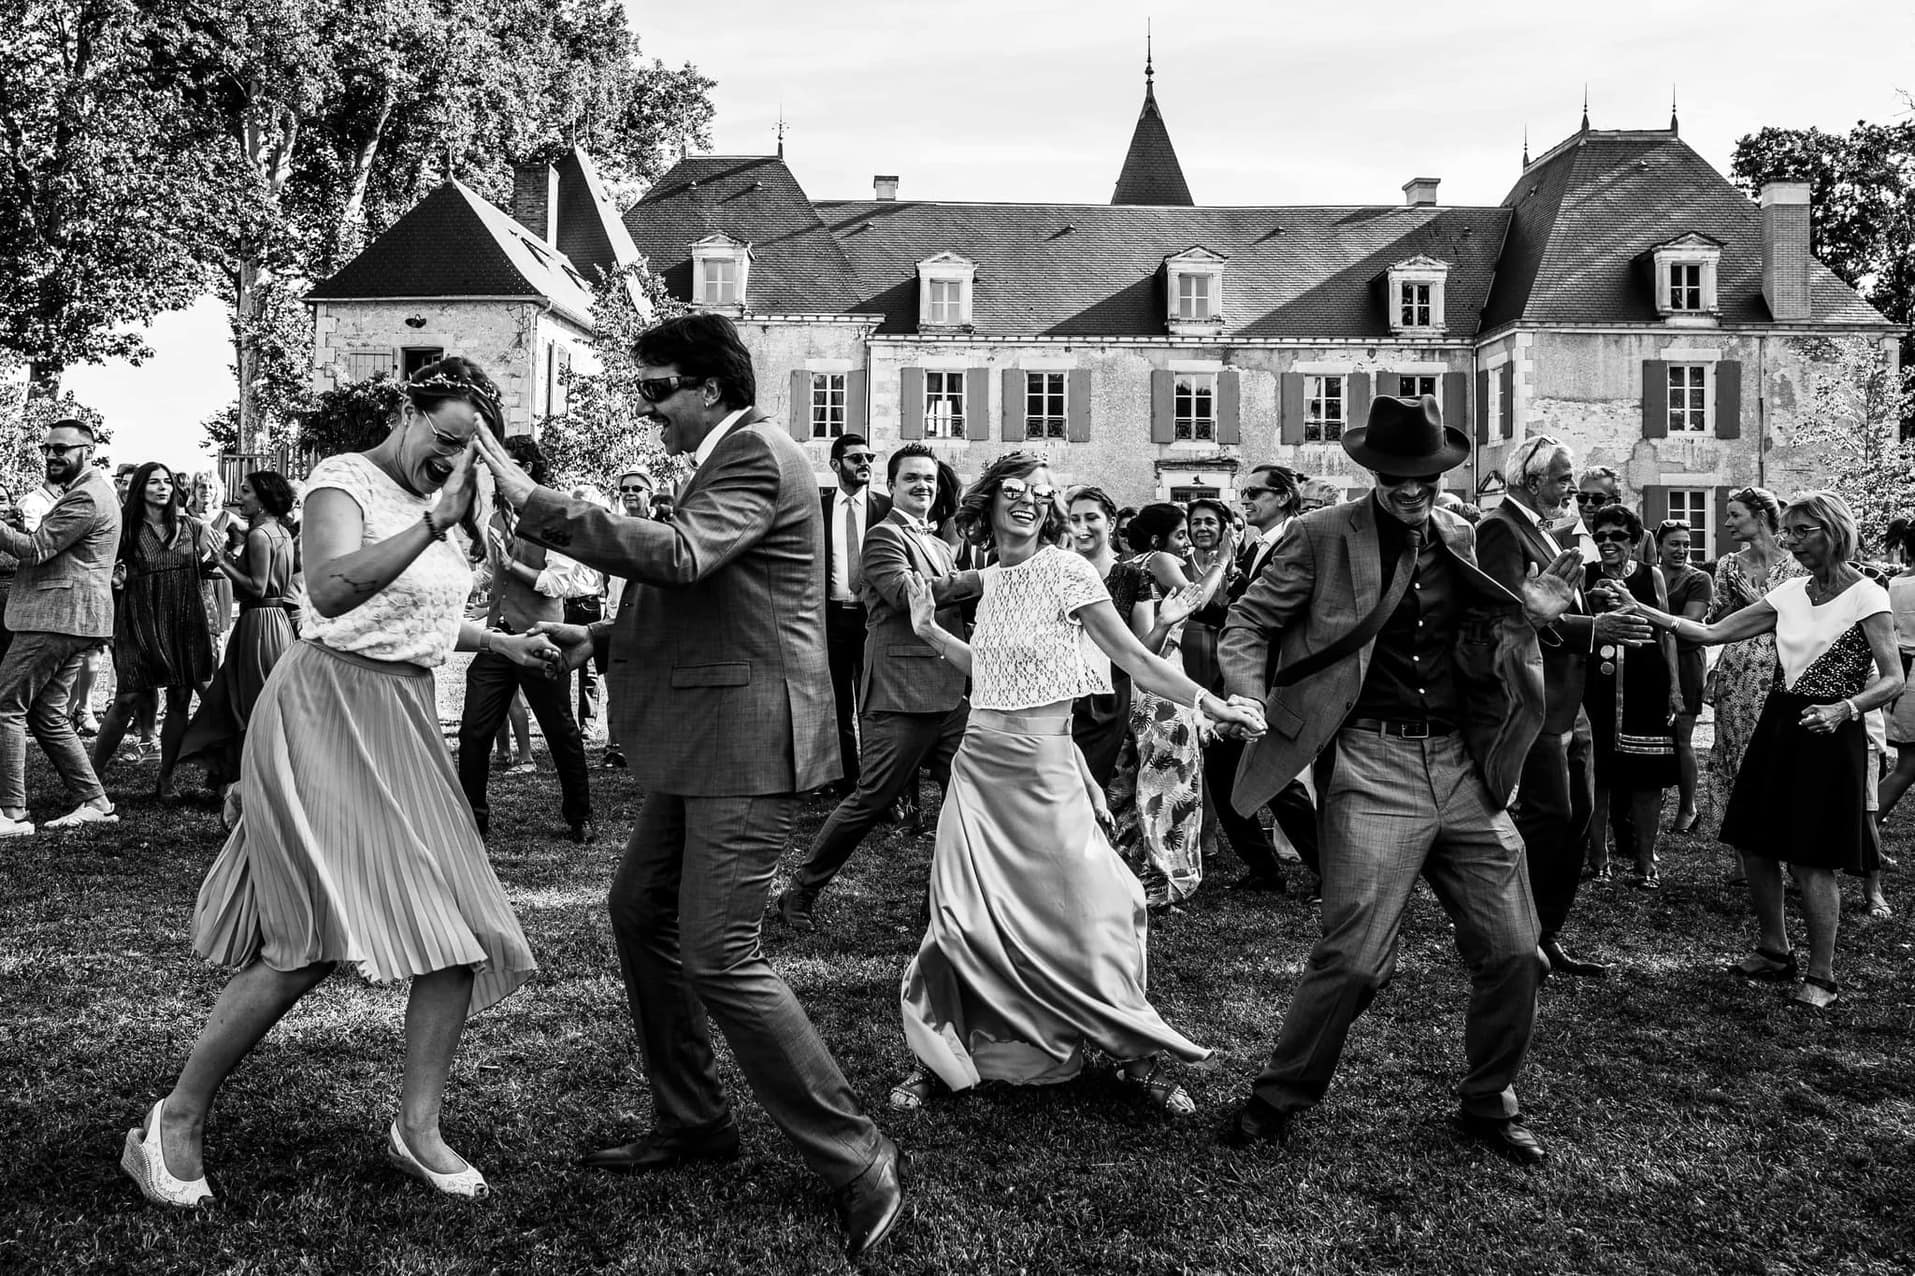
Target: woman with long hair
(260, 567)
(354, 843)
(161, 639)
(1802, 796)
(1035, 950)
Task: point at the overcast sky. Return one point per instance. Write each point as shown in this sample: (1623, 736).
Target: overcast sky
(1267, 103)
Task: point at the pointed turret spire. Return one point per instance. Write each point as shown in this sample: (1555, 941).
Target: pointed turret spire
(1151, 173)
(1672, 110)
(1585, 108)
(1525, 146)
(782, 126)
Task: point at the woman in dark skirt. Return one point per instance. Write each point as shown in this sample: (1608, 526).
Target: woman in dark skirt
(1801, 797)
(162, 640)
(1689, 596)
(1632, 701)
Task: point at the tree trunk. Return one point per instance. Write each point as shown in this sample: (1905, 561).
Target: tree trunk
(43, 379)
(269, 147)
(346, 238)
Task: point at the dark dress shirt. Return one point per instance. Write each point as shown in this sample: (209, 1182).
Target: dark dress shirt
(1411, 677)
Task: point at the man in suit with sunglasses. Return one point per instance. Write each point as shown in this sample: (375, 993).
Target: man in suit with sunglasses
(851, 510)
(725, 712)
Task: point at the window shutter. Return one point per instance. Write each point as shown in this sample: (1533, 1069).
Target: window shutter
(1725, 543)
(1388, 385)
(1729, 399)
(1655, 399)
(1655, 508)
(977, 404)
(1013, 431)
(911, 403)
(1077, 406)
(801, 405)
(1455, 398)
(854, 405)
(1506, 410)
(1356, 399)
(1482, 406)
(1229, 407)
(1163, 406)
(1290, 420)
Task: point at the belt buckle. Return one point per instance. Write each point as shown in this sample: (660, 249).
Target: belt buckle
(1413, 731)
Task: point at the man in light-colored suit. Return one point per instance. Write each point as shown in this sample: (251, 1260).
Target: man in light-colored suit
(911, 702)
(1417, 679)
(724, 707)
(61, 605)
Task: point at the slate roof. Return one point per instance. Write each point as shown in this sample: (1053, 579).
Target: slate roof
(1584, 213)
(453, 243)
(590, 233)
(1151, 173)
(1096, 269)
(797, 267)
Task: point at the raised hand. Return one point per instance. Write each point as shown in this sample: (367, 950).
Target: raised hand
(1550, 592)
(513, 485)
(461, 486)
(1179, 607)
(924, 610)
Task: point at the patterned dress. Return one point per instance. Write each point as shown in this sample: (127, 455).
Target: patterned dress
(1739, 684)
(161, 636)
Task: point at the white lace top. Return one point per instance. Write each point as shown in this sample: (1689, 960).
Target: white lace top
(1029, 648)
(416, 618)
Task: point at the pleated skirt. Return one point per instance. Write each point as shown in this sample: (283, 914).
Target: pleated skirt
(1037, 944)
(218, 733)
(1802, 798)
(355, 844)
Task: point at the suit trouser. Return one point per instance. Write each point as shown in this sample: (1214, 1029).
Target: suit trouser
(1582, 779)
(1393, 810)
(687, 908)
(1296, 813)
(1552, 838)
(894, 746)
(36, 684)
(490, 681)
(844, 651)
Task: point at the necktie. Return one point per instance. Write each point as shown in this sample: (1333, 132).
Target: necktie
(853, 550)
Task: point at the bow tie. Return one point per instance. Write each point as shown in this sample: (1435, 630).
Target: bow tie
(919, 526)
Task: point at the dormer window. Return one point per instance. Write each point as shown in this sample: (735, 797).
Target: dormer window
(1414, 290)
(1684, 270)
(721, 268)
(945, 285)
(1193, 292)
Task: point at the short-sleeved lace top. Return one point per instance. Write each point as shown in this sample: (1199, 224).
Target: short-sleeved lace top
(1822, 650)
(1029, 648)
(416, 618)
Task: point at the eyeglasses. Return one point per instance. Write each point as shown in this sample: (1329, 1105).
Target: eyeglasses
(858, 458)
(443, 443)
(626, 491)
(61, 449)
(1398, 480)
(1016, 490)
(1797, 533)
(1595, 500)
(659, 389)
(1607, 538)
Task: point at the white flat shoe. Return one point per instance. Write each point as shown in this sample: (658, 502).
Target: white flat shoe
(84, 814)
(467, 1182)
(15, 828)
(146, 1165)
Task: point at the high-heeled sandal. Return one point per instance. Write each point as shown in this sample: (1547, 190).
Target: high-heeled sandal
(1817, 993)
(145, 1164)
(1157, 1090)
(467, 1182)
(915, 1090)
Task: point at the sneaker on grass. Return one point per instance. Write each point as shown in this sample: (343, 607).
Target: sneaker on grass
(85, 813)
(15, 828)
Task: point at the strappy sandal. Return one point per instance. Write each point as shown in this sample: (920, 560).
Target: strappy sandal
(1159, 1091)
(914, 1091)
(1763, 964)
(1817, 993)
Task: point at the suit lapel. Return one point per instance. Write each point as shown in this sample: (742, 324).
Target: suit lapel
(1366, 565)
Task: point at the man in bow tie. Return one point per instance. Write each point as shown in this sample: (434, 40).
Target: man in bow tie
(912, 708)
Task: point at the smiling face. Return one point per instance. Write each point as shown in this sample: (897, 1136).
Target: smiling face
(66, 451)
(1019, 508)
(433, 441)
(1551, 491)
(1409, 498)
(1206, 529)
(247, 501)
(1674, 549)
(1615, 544)
(854, 467)
(916, 485)
(1090, 527)
(686, 415)
(634, 497)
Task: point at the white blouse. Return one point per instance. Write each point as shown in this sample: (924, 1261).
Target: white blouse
(415, 619)
(1804, 632)
(1029, 648)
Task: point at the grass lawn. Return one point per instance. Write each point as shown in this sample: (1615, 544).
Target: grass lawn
(1696, 1123)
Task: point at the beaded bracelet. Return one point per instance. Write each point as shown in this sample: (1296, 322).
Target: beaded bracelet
(436, 533)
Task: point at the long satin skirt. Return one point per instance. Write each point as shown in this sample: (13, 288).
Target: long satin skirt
(1036, 947)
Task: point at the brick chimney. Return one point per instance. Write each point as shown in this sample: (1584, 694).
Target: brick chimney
(1785, 250)
(886, 185)
(1420, 192)
(535, 200)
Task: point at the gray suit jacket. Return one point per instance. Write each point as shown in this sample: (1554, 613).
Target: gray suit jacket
(902, 674)
(65, 581)
(719, 646)
(1507, 544)
(1323, 578)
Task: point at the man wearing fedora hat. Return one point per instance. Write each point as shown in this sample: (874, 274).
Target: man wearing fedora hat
(1414, 683)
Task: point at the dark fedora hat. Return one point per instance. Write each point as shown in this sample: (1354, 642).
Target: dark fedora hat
(1406, 436)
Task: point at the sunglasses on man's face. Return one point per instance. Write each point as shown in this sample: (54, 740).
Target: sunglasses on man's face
(1016, 490)
(61, 449)
(1398, 480)
(858, 458)
(659, 389)
(1595, 500)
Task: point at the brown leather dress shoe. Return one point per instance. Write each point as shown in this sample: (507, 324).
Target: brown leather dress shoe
(1508, 1138)
(663, 1149)
(870, 1205)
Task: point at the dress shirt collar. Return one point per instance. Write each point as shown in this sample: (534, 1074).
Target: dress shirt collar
(860, 498)
(1273, 533)
(710, 441)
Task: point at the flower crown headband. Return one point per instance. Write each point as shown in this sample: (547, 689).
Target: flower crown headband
(447, 384)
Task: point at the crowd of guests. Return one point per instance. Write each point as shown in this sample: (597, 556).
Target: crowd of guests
(1413, 690)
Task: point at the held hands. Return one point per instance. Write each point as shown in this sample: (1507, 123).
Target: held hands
(1629, 626)
(533, 651)
(571, 644)
(1550, 592)
(513, 485)
(1240, 716)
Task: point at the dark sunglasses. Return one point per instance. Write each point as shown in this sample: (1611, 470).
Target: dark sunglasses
(1398, 480)
(1016, 490)
(623, 490)
(1620, 538)
(1674, 525)
(1597, 499)
(858, 458)
(659, 389)
(61, 449)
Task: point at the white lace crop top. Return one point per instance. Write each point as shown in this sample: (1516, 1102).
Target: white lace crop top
(416, 618)
(1029, 648)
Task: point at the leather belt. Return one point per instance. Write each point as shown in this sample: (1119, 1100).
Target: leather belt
(844, 604)
(1419, 729)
